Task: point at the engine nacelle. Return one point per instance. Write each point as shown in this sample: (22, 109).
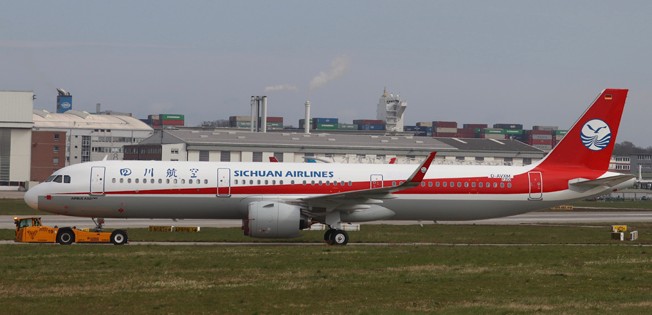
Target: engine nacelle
(271, 219)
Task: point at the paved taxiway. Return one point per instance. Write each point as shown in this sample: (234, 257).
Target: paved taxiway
(606, 217)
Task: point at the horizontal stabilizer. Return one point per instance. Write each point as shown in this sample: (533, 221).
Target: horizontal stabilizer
(610, 181)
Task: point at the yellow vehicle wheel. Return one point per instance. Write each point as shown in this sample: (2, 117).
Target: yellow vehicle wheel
(65, 236)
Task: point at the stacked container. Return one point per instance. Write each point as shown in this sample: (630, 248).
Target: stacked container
(446, 129)
(470, 130)
(540, 139)
(370, 124)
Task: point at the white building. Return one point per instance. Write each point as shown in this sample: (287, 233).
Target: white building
(91, 137)
(15, 138)
(391, 110)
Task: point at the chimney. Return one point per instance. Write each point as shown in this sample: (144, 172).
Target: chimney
(98, 107)
(254, 114)
(263, 109)
(306, 122)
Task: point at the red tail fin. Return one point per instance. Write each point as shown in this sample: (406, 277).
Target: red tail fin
(590, 142)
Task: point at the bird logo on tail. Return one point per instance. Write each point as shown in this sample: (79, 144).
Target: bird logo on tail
(595, 135)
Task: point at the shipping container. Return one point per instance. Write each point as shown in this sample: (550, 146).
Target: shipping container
(540, 141)
(371, 127)
(324, 121)
(493, 131)
(541, 137)
(444, 124)
(274, 119)
(153, 117)
(324, 126)
(509, 126)
(475, 126)
(560, 132)
(424, 124)
(369, 122)
(444, 130)
(513, 132)
(347, 126)
(171, 117)
(444, 134)
(548, 128)
(409, 128)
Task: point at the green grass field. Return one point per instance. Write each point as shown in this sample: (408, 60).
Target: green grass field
(574, 270)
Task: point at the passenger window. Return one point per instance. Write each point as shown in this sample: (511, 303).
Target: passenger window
(445, 184)
(183, 181)
(190, 181)
(128, 180)
(452, 184)
(437, 184)
(144, 180)
(122, 180)
(423, 184)
(429, 184)
(473, 185)
(151, 181)
(160, 181)
(502, 185)
(175, 181)
(136, 180)
(350, 183)
(266, 182)
(481, 184)
(459, 184)
(495, 185)
(113, 180)
(509, 185)
(466, 184)
(167, 180)
(206, 181)
(251, 182)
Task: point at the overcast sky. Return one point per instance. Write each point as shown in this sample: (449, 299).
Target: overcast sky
(529, 62)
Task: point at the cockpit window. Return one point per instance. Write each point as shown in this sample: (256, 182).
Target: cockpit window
(51, 178)
(58, 179)
(66, 179)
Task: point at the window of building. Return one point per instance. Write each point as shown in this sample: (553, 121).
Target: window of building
(55, 149)
(56, 137)
(174, 151)
(55, 161)
(278, 156)
(203, 155)
(257, 156)
(225, 156)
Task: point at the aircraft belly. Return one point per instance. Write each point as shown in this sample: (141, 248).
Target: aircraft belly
(152, 206)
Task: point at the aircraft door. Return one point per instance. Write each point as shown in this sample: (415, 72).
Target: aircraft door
(376, 181)
(223, 182)
(536, 185)
(97, 180)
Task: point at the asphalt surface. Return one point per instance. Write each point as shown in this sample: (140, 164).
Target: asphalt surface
(608, 217)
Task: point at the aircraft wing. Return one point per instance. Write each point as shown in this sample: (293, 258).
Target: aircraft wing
(370, 196)
(610, 181)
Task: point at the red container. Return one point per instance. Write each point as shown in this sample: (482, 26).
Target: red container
(444, 124)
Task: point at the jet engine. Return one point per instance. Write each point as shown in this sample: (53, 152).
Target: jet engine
(271, 219)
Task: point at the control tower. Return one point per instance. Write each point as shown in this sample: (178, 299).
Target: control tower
(391, 109)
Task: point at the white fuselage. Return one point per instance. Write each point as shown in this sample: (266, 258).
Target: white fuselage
(214, 190)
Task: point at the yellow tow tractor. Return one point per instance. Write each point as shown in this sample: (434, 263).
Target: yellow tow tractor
(30, 230)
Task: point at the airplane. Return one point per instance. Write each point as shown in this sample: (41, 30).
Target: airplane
(278, 200)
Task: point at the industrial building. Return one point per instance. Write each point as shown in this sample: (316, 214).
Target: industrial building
(240, 146)
(15, 138)
(83, 137)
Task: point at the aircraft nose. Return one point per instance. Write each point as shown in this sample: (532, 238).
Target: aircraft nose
(31, 198)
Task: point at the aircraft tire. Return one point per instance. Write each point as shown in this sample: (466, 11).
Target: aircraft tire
(119, 237)
(339, 237)
(65, 236)
(327, 236)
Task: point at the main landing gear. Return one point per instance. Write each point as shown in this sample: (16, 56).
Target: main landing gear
(336, 237)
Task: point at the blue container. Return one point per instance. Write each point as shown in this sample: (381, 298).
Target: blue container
(317, 121)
